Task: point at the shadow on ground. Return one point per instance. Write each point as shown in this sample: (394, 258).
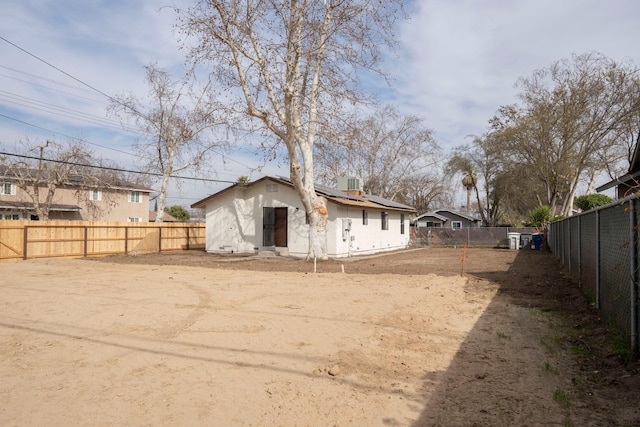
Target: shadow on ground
(565, 372)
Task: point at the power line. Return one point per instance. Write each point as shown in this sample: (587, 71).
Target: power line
(120, 151)
(57, 82)
(90, 87)
(65, 135)
(48, 88)
(22, 156)
(60, 111)
(56, 68)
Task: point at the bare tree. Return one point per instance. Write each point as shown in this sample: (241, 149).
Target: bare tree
(385, 149)
(173, 119)
(568, 127)
(292, 64)
(39, 169)
(426, 192)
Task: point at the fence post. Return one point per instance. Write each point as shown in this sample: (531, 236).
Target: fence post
(86, 237)
(188, 228)
(579, 251)
(159, 239)
(598, 261)
(633, 236)
(570, 249)
(24, 242)
(126, 240)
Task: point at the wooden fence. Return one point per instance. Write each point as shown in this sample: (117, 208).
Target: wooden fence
(21, 240)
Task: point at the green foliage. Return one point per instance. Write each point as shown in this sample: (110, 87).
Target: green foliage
(178, 212)
(540, 216)
(561, 397)
(243, 179)
(592, 201)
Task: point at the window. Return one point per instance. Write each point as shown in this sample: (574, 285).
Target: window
(95, 195)
(384, 217)
(365, 217)
(135, 219)
(272, 188)
(9, 216)
(456, 224)
(134, 197)
(7, 189)
(401, 223)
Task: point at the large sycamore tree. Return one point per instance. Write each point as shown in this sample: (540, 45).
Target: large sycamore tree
(289, 65)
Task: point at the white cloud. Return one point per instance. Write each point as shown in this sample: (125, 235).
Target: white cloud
(460, 59)
(458, 62)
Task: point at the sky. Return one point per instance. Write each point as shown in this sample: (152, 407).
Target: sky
(457, 63)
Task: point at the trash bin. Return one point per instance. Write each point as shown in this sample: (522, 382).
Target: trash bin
(537, 241)
(514, 240)
(525, 239)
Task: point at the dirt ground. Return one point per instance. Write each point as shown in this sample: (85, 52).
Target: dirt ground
(405, 339)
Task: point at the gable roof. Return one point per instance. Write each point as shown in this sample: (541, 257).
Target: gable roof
(438, 214)
(460, 214)
(433, 215)
(331, 194)
(632, 174)
(74, 180)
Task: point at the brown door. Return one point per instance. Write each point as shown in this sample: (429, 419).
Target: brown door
(274, 227)
(281, 227)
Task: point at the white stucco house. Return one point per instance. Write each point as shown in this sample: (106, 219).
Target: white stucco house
(267, 214)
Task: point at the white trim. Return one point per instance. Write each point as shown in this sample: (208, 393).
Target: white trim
(12, 189)
(135, 197)
(9, 215)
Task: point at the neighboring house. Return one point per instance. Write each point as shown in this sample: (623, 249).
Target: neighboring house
(267, 214)
(117, 201)
(165, 218)
(628, 183)
(446, 218)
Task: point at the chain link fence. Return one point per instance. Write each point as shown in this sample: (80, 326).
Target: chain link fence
(599, 248)
(493, 237)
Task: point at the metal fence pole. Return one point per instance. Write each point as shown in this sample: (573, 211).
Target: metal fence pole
(580, 251)
(598, 262)
(569, 247)
(633, 236)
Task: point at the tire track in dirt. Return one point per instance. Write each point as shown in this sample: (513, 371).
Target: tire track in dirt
(204, 304)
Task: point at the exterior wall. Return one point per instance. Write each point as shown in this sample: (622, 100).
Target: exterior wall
(234, 223)
(234, 220)
(114, 206)
(367, 238)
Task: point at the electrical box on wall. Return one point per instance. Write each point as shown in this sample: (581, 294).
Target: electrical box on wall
(346, 229)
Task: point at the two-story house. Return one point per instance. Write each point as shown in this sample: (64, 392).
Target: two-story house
(74, 199)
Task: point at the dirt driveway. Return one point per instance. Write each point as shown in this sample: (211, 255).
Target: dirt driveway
(399, 340)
